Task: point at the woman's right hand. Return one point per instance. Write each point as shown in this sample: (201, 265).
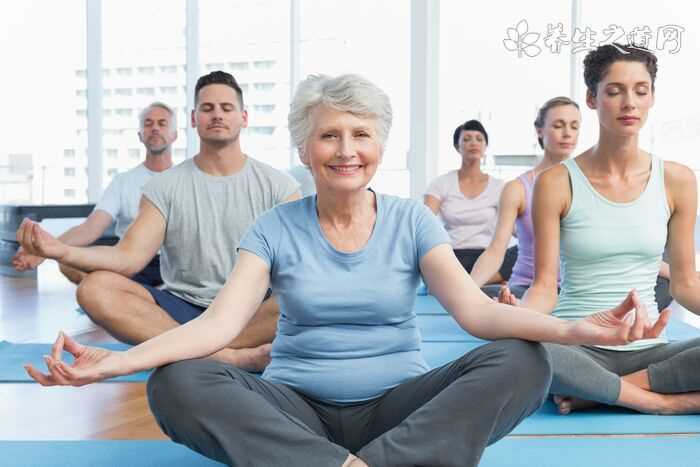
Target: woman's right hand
(91, 364)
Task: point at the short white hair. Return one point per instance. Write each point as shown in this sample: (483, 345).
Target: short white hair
(347, 93)
(158, 105)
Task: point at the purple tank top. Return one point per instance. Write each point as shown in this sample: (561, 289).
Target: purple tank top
(524, 270)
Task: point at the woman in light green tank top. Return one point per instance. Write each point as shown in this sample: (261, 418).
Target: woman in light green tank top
(607, 214)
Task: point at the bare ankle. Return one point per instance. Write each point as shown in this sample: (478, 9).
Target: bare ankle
(353, 461)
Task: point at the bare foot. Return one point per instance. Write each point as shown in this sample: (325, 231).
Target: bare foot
(567, 404)
(353, 461)
(685, 403)
(253, 359)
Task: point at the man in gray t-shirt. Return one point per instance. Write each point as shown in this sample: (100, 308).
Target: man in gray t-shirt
(196, 214)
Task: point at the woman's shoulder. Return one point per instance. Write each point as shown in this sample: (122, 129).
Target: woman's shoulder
(397, 202)
(398, 207)
(447, 178)
(677, 172)
(680, 183)
(296, 209)
(558, 173)
(513, 191)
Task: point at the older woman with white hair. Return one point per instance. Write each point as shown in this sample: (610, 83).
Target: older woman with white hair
(347, 384)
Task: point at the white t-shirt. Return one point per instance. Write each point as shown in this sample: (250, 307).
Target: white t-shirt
(471, 222)
(121, 198)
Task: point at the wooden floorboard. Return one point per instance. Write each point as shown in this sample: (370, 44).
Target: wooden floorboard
(34, 310)
(97, 411)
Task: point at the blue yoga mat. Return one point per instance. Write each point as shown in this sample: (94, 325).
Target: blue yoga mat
(439, 353)
(677, 330)
(100, 454)
(428, 305)
(657, 451)
(660, 451)
(437, 328)
(14, 356)
(604, 420)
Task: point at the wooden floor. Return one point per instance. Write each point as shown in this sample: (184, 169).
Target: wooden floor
(34, 310)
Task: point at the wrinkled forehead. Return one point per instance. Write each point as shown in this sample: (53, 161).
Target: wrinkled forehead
(325, 116)
(156, 114)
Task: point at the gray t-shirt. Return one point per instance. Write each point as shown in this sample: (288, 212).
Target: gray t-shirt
(121, 198)
(206, 217)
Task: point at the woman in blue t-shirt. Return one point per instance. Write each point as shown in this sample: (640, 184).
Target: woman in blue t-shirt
(347, 384)
(610, 211)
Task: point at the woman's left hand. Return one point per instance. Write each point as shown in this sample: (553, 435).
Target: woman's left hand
(623, 324)
(506, 297)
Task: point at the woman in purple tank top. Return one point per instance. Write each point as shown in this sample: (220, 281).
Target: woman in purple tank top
(557, 126)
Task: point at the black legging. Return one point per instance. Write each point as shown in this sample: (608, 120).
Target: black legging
(468, 256)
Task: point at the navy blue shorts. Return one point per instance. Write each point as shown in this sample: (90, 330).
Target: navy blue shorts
(178, 309)
(150, 275)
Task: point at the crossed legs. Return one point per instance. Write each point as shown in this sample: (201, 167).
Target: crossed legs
(660, 380)
(444, 418)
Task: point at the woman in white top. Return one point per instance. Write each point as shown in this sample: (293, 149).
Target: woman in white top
(467, 201)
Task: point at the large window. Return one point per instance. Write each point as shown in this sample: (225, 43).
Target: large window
(673, 129)
(497, 62)
(250, 40)
(373, 39)
(143, 63)
(502, 83)
(43, 66)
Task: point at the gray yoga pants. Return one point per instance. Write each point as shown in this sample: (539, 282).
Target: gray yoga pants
(594, 374)
(445, 417)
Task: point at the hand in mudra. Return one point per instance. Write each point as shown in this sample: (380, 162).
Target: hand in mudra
(620, 325)
(91, 364)
(36, 241)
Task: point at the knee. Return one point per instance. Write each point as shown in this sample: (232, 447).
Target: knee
(74, 275)
(92, 291)
(526, 366)
(179, 389)
(172, 385)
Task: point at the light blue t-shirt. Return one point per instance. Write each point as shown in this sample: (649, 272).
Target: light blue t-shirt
(347, 330)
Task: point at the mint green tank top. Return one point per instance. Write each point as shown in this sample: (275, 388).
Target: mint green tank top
(608, 248)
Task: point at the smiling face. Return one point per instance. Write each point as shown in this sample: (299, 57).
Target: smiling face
(342, 150)
(218, 116)
(472, 145)
(623, 98)
(156, 133)
(560, 131)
